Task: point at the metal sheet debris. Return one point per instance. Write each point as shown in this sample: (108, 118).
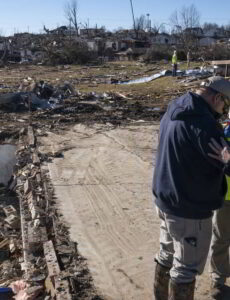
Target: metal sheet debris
(192, 72)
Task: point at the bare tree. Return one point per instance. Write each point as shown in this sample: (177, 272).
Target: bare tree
(227, 27)
(71, 14)
(157, 28)
(184, 23)
(140, 23)
(209, 26)
(187, 17)
(3, 58)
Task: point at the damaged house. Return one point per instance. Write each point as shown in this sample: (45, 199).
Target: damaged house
(121, 45)
(212, 36)
(92, 32)
(162, 39)
(9, 51)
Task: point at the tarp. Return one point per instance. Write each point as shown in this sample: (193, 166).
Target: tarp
(192, 72)
(149, 78)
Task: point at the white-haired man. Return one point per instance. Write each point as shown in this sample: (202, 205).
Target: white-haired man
(188, 186)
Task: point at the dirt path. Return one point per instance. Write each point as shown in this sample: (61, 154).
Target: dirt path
(103, 189)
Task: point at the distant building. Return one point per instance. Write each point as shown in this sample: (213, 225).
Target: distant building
(26, 54)
(207, 41)
(92, 32)
(161, 39)
(215, 33)
(195, 31)
(92, 45)
(113, 44)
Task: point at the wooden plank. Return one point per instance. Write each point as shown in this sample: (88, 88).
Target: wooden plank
(24, 230)
(51, 259)
(31, 138)
(220, 62)
(27, 187)
(4, 243)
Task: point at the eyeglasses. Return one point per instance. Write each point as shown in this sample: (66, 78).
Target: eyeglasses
(225, 100)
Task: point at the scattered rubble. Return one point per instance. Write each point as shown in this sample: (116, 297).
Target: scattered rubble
(37, 258)
(32, 95)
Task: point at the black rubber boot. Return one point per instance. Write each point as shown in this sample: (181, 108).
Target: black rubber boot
(161, 282)
(181, 291)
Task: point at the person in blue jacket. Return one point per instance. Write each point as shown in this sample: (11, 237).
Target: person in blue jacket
(188, 185)
(220, 244)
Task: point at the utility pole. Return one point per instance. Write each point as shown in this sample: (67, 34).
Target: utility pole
(134, 26)
(131, 3)
(148, 22)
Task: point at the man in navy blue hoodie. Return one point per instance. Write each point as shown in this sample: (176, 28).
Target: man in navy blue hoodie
(188, 185)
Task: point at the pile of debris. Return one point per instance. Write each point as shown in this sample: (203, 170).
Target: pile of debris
(37, 259)
(33, 95)
(62, 103)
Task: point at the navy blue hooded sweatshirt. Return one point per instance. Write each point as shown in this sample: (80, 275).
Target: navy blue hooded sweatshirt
(187, 182)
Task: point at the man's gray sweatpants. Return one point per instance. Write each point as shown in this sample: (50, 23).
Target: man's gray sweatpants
(220, 264)
(184, 245)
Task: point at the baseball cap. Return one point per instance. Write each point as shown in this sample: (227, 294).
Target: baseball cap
(218, 84)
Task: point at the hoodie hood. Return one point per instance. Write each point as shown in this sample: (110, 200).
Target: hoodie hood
(187, 182)
(189, 105)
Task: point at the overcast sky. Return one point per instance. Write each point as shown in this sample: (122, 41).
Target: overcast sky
(31, 15)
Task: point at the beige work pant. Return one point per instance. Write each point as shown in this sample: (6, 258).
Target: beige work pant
(219, 263)
(184, 246)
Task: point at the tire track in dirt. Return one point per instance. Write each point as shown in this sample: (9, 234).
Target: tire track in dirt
(103, 188)
(103, 191)
(99, 265)
(106, 204)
